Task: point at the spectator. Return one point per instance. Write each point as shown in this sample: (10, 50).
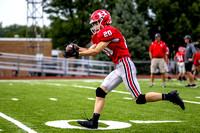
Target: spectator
(157, 53)
(190, 52)
(180, 58)
(196, 63)
(167, 67)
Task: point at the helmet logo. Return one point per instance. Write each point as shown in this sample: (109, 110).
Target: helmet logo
(102, 14)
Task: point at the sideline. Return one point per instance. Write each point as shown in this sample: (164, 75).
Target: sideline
(19, 124)
(191, 102)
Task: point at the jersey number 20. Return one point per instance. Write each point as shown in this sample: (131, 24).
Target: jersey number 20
(107, 33)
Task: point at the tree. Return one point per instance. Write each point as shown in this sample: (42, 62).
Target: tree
(70, 19)
(10, 31)
(173, 19)
(131, 24)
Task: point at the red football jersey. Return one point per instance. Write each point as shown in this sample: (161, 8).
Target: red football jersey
(167, 51)
(197, 59)
(117, 49)
(180, 56)
(157, 50)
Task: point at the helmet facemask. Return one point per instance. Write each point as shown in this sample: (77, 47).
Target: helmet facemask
(96, 27)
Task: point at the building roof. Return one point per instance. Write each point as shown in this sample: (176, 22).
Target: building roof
(25, 39)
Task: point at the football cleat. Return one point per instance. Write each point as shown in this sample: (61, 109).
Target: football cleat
(189, 85)
(88, 124)
(176, 99)
(151, 85)
(193, 86)
(164, 85)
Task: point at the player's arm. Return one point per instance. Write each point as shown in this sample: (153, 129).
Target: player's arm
(150, 55)
(96, 50)
(81, 49)
(165, 57)
(175, 58)
(194, 53)
(191, 59)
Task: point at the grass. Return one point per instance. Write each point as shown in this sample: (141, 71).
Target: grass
(34, 108)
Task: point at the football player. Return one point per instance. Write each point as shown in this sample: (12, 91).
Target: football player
(196, 63)
(167, 66)
(180, 58)
(110, 40)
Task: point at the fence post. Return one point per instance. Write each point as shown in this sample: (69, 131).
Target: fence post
(42, 74)
(18, 65)
(88, 67)
(65, 65)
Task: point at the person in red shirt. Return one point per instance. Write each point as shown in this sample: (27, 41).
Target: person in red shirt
(196, 63)
(180, 58)
(157, 53)
(108, 39)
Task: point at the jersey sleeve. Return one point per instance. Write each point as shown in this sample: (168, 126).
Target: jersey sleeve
(150, 48)
(107, 34)
(193, 49)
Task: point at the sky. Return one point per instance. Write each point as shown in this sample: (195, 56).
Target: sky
(15, 12)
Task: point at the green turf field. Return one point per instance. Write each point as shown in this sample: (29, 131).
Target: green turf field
(33, 106)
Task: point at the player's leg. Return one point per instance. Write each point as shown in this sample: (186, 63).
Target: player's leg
(183, 72)
(109, 83)
(153, 70)
(162, 71)
(131, 83)
(180, 73)
(188, 67)
(167, 71)
(128, 74)
(195, 71)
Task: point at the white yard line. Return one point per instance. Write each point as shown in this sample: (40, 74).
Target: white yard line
(91, 99)
(93, 88)
(197, 97)
(14, 99)
(127, 98)
(191, 102)
(138, 121)
(53, 99)
(19, 124)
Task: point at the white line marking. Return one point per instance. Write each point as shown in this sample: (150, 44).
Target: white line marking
(197, 97)
(15, 99)
(91, 99)
(53, 99)
(138, 121)
(1, 130)
(10, 84)
(19, 124)
(127, 98)
(93, 88)
(191, 102)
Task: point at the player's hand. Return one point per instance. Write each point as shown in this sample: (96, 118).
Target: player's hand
(190, 59)
(73, 53)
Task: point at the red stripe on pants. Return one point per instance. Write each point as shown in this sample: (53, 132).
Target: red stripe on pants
(129, 78)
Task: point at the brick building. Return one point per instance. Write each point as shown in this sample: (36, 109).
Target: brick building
(24, 46)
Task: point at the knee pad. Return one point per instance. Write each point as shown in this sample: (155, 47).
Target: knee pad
(141, 99)
(100, 93)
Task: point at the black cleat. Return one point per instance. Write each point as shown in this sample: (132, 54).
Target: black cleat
(88, 124)
(193, 86)
(188, 86)
(169, 79)
(176, 99)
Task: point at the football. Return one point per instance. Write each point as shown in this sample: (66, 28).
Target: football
(69, 47)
